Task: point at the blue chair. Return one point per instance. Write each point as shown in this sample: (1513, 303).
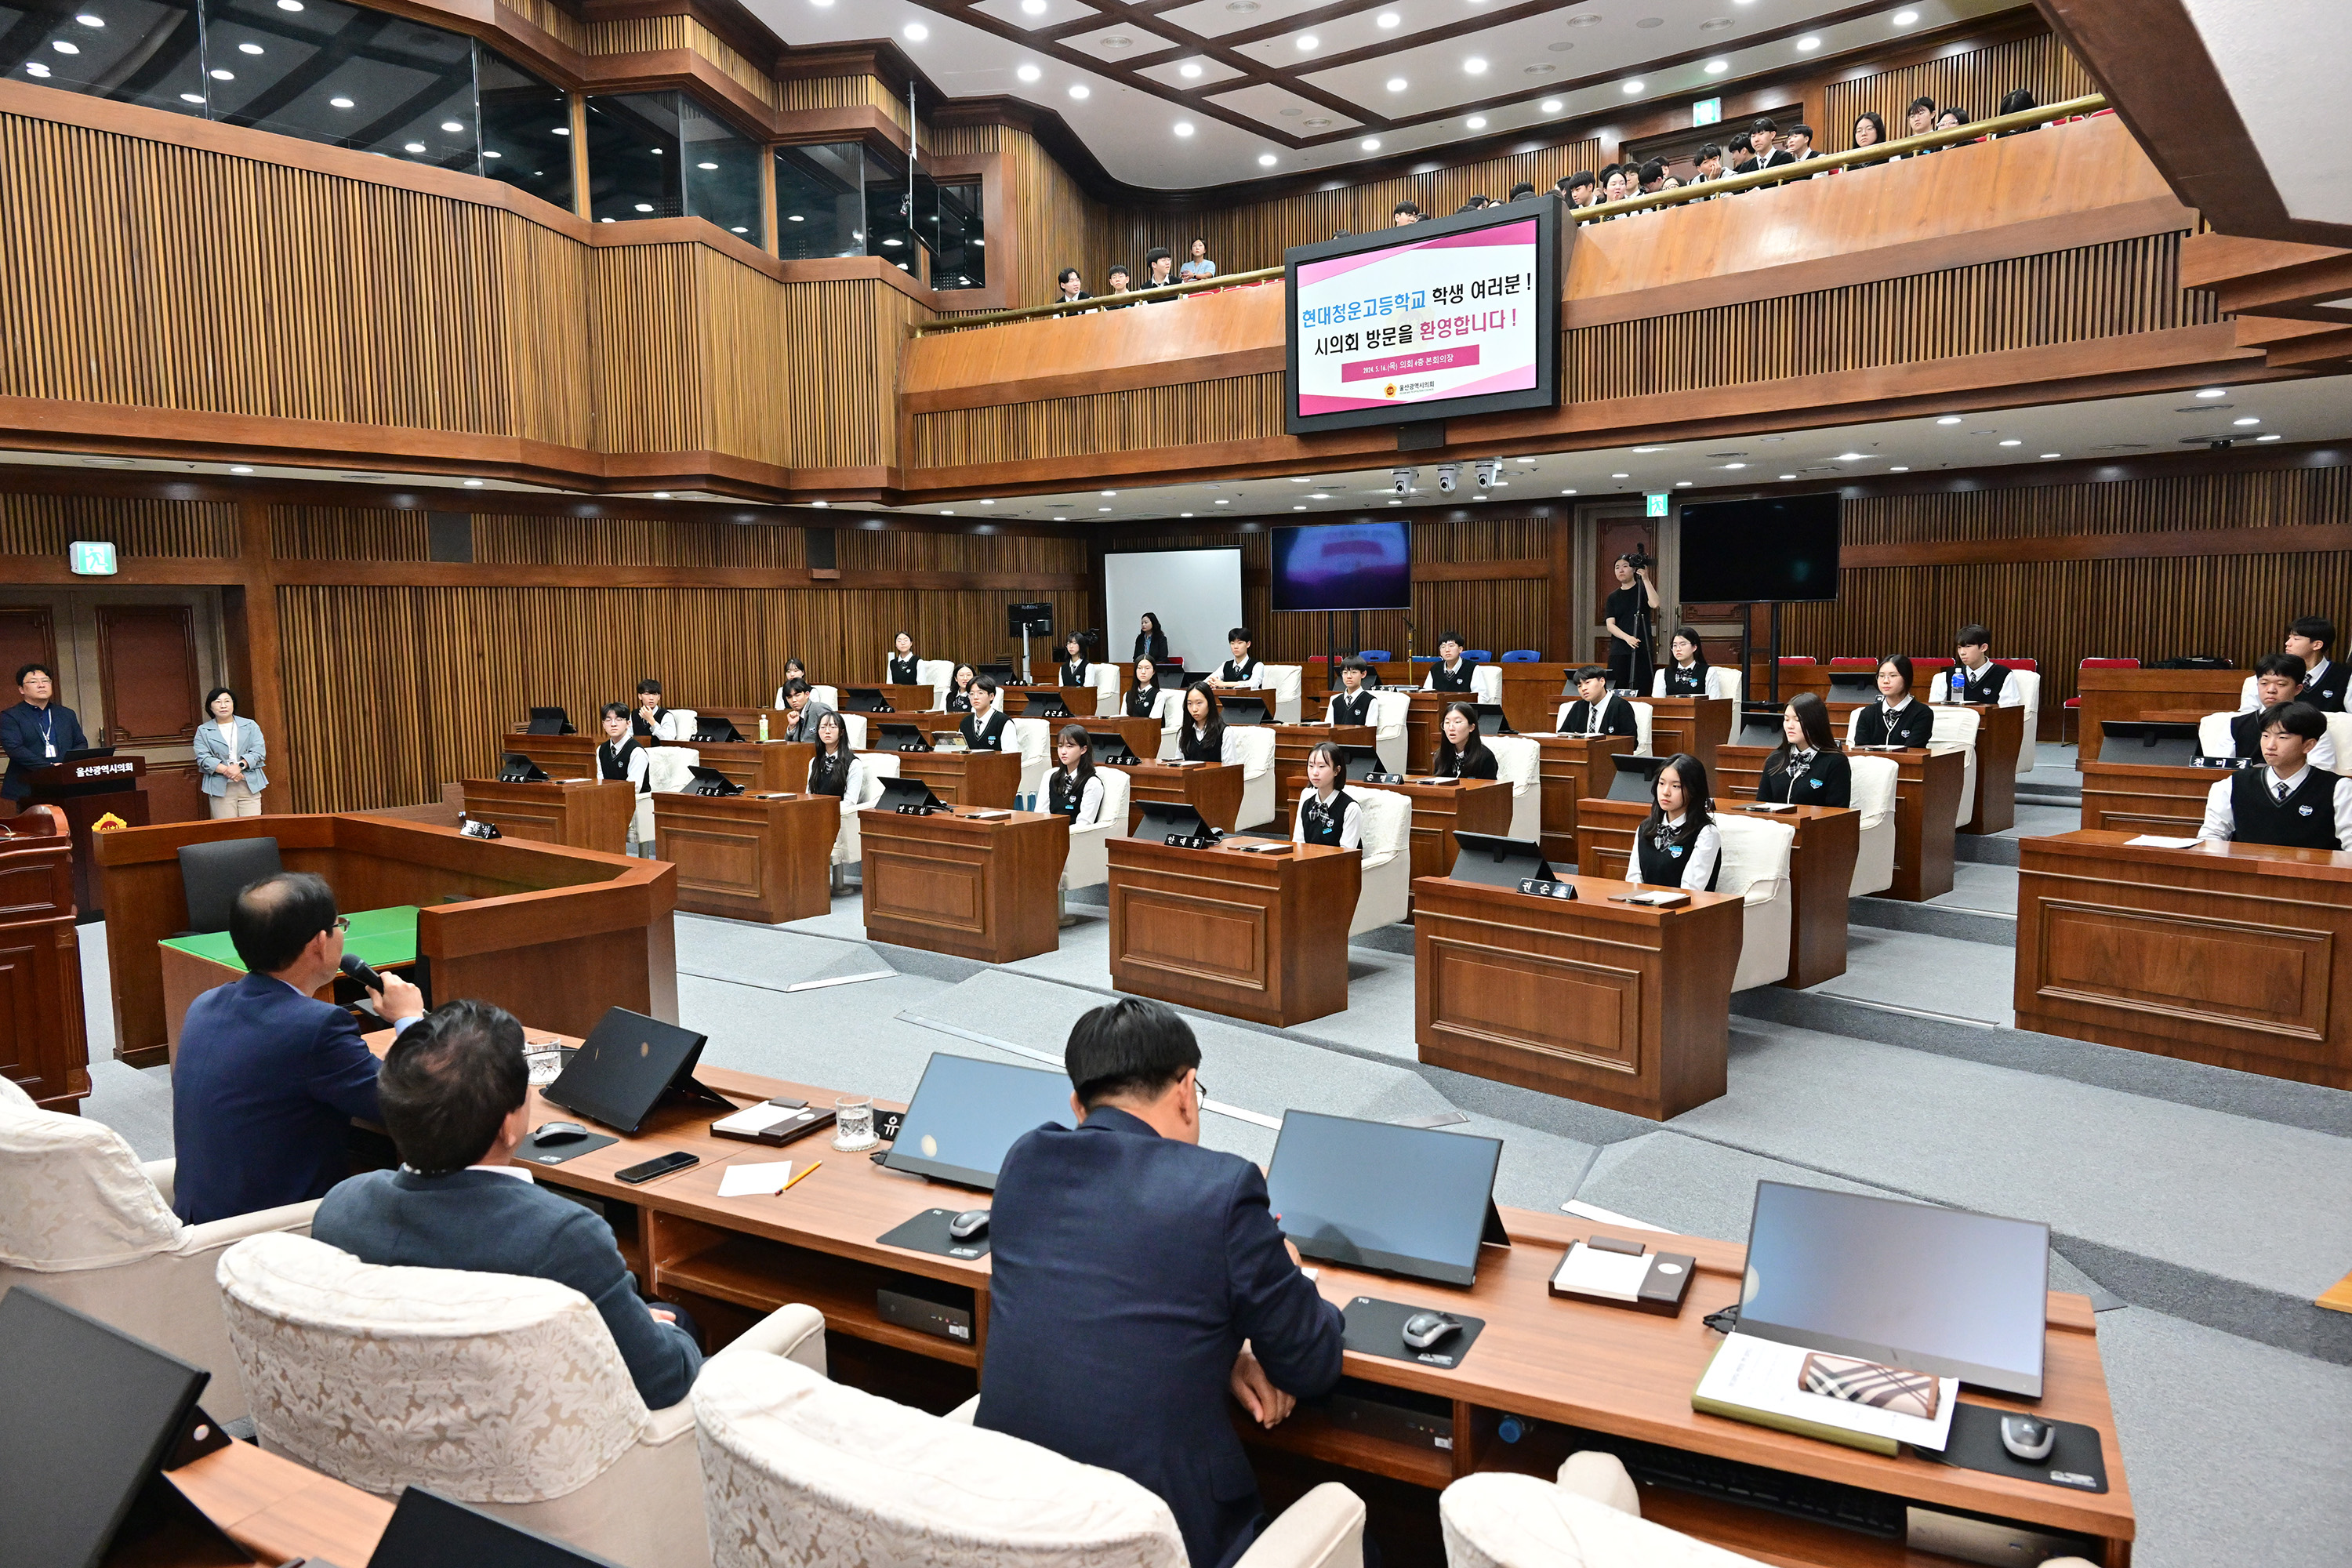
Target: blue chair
(1522, 656)
(1424, 659)
(1477, 656)
(1374, 656)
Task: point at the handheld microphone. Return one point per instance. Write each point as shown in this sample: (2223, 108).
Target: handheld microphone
(358, 970)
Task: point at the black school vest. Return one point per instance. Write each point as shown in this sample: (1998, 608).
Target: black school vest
(1691, 682)
(613, 764)
(1323, 822)
(2305, 820)
(829, 774)
(980, 738)
(1663, 866)
(902, 670)
(1984, 688)
(1356, 710)
(1061, 797)
(1141, 700)
(1439, 681)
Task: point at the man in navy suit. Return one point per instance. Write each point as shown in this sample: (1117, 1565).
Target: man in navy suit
(38, 732)
(1136, 1277)
(457, 1100)
(268, 1078)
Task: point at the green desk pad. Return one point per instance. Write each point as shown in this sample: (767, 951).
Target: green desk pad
(377, 938)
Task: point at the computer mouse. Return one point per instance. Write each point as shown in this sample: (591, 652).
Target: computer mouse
(968, 1226)
(2027, 1438)
(559, 1132)
(1424, 1330)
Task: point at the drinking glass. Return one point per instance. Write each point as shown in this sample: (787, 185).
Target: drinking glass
(853, 1127)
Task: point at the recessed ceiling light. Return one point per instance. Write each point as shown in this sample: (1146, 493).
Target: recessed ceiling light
(474, 484)
(1682, 484)
(1190, 70)
(1528, 461)
(1308, 41)
(1224, 503)
(1183, 128)
(1476, 123)
(1077, 90)
(1716, 67)
(1475, 66)
(1299, 509)
(1808, 44)
(2249, 420)
(37, 69)
(1028, 73)
(2012, 443)
(1388, 19)
(1370, 143)
(2269, 437)
(1905, 18)
(1645, 451)
(661, 495)
(419, 147)
(289, 5)
(218, 75)
(796, 218)
(1633, 86)
(1265, 160)
(248, 49)
(239, 468)
(1183, 514)
(1397, 84)
(944, 511)
(820, 503)
(1788, 476)
(1032, 7)
(1102, 509)
(706, 165)
(1898, 468)
(1621, 476)
(560, 130)
(184, 97)
(1550, 106)
(1568, 492)
(2215, 392)
(1950, 419)
(1318, 495)
(1735, 465)
(2054, 454)
(87, 20)
(916, 32)
(1853, 458)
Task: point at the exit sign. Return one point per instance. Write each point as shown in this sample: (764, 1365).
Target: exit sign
(1658, 505)
(91, 558)
(1706, 112)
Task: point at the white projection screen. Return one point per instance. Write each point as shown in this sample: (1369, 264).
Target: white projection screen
(1196, 594)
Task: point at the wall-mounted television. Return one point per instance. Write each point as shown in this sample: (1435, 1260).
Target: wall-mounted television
(1776, 548)
(1344, 566)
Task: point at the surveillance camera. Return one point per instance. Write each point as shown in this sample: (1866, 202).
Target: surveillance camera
(1446, 476)
(1489, 470)
(1400, 479)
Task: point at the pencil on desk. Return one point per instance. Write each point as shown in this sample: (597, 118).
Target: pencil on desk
(803, 1176)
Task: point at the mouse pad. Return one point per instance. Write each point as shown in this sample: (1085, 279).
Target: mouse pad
(1377, 1327)
(927, 1232)
(530, 1154)
(2076, 1460)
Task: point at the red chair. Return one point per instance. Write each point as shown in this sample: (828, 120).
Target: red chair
(2072, 707)
(1790, 658)
(1853, 664)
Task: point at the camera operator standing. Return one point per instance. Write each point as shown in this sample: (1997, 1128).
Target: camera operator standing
(1632, 614)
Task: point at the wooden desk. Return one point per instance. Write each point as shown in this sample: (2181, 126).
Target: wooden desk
(547, 932)
(2000, 740)
(1821, 873)
(749, 857)
(1698, 725)
(1142, 735)
(1572, 767)
(1213, 789)
(1532, 693)
(1474, 806)
(44, 1038)
(584, 813)
(1257, 936)
(280, 1510)
(1291, 744)
(2136, 797)
(83, 793)
(780, 765)
(917, 699)
(1609, 1004)
(962, 778)
(2134, 693)
(976, 888)
(1079, 699)
(2229, 954)
(1421, 717)
(1926, 798)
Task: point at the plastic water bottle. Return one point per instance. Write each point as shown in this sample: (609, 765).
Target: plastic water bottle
(764, 728)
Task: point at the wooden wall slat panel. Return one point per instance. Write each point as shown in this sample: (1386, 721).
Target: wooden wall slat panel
(347, 534)
(46, 525)
(632, 541)
(1973, 79)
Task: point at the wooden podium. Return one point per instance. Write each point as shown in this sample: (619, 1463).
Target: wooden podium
(1573, 767)
(748, 857)
(1611, 1003)
(85, 791)
(586, 814)
(1255, 935)
(1694, 724)
(1213, 789)
(44, 1038)
(975, 886)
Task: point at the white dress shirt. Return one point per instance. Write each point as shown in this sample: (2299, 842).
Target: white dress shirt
(2222, 818)
(1352, 826)
(1699, 870)
(2012, 694)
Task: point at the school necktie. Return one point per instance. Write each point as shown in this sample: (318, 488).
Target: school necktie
(2279, 788)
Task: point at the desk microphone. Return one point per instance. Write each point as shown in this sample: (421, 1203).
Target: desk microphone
(358, 970)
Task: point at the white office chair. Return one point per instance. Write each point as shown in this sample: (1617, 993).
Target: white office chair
(498, 1390)
(1104, 680)
(802, 1472)
(1252, 746)
(847, 849)
(681, 724)
(1088, 862)
(852, 728)
(1390, 706)
(1519, 762)
(88, 1226)
(671, 769)
(936, 673)
(1169, 712)
(1756, 867)
(1284, 687)
(1384, 893)
(1034, 739)
(2249, 696)
(1873, 797)
(1590, 1518)
(1487, 684)
(1955, 730)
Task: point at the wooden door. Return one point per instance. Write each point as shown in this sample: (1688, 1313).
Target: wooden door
(27, 635)
(147, 675)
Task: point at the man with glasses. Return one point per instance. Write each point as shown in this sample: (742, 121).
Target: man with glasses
(266, 1078)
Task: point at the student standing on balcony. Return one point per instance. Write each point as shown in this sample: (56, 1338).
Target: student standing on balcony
(1200, 267)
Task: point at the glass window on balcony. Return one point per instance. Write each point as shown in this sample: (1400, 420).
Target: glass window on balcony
(526, 129)
(633, 157)
(330, 72)
(889, 210)
(722, 171)
(819, 201)
(959, 244)
(134, 51)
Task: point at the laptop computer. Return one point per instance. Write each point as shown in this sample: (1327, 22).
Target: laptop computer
(1242, 710)
(1189, 679)
(1633, 777)
(2146, 742)
(1491, 720)
(1166, 819)
(1358, 764)
(1759, 727)
(901, 795)
(711, 731)
(516, 768)
(1108, 746)
(900, 738)
(626, 1067)
(549, 721)
(710, 781)
(950, 741)
(1499, 862)
(1046, 705)
(1167, 678)
(1852, 685)
(865, 699)
(429, 1531)
(1002, 672)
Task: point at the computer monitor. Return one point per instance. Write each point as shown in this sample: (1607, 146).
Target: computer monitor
(1633, 776)
(625, 1067)
(549, 721)
(2149, 743)
(1001, 671)
(1853, 684)
(1241, 710)
(1191, 678)
(1108, 745)
(709, 731)
(1368, 1194)
(1499, 862)
(968, 1113)
(85, 754)
(865, 699)
(516, 768)
(1491, 720)
(1939, 1291)
(1167, 678)
(429, 1531)
(1166, 819)
(1759, 726)
(710, 781)
(1358, 764)
(899, 795)
(900, 738)
(1046, 705)
(88, 1417)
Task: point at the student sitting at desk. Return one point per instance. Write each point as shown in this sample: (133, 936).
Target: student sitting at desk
(1071, 789)
(620, 760)
(960, 688)
(1352, 703)
(652, 722)
(1684, 671)
(1978, 679)
(1130, 1267)
(1451, 672)
(1808, 767)
(983, 728)
(1073, 661)
(1597, 711)
(1462, 751)
(1327, 814)
(800, 700)
(2289, 802)
(2279, 679)
(2313, 640)
(1894, 720)
(1679, 846)
(903, 662)
(1202, 737)
(835, 769)
(1241, 672)
(456, 1101)
(1143, 698)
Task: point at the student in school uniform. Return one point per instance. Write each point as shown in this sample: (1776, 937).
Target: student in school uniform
(620, 760)
(1894, 720)
(652, 721)
(2313, 640)
(1241, 672)
(1451, 672)
(1074, 660)
(1598, 711)
(1808, 767)
(1352, 703)
(2290, 801)
(1685, 672)
(1151, 642)
(1326, 813)
(1143, 698)
(1202, 737)
(1978, 679)
(1462, 751)
(983, 728)
(960, 686)
(835, 769)
(903, 662)
(1071, 789)
(1679, 846)
(2279, 679)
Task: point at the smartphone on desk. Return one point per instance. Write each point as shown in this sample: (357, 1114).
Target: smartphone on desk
(659, 1165)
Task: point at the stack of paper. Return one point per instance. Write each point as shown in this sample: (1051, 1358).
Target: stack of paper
(759, 1179)
(1756, 1380)
(2158, 841)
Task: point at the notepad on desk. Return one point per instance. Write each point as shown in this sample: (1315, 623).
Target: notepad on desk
(759, 1179)
(2159, 841)
(1760, 1380)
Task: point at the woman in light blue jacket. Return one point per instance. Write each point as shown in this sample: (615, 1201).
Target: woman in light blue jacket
(230, 755)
